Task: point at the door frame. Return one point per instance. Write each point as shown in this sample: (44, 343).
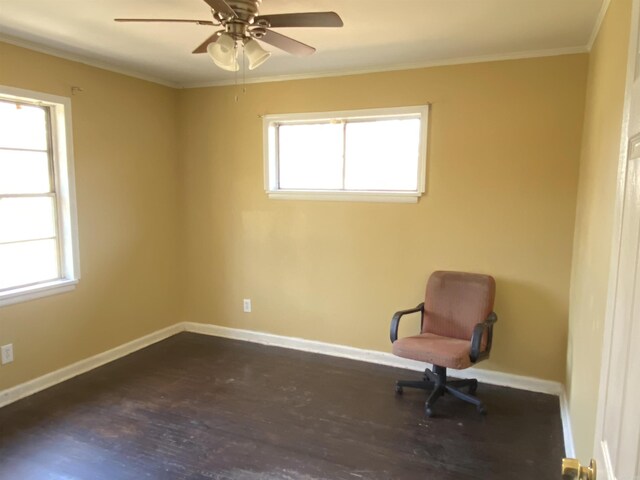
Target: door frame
(621, 177)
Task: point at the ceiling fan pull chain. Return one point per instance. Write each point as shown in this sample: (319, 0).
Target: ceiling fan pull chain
(244, 72)
(235, 76)
(243, 85)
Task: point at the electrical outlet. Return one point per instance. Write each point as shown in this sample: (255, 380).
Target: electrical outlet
(246, 305)
(7, 353)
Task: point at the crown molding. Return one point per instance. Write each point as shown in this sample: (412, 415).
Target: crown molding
(596, 27)
(391, 68)
(19, 42)
(92, 62)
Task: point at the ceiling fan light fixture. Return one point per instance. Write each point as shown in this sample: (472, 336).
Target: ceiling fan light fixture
(223, 52)
(255, 54)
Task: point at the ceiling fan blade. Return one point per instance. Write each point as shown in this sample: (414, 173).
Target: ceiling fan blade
(287, 44)
(202, 48)
(173, 20)
(221, 6)
(308, 19)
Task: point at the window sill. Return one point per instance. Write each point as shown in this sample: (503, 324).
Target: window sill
(40, 290)
(383, 197)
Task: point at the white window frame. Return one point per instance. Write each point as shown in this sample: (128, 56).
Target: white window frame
(64, 181)
(269, 136)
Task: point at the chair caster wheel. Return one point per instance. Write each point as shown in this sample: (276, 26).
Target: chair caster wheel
(481, 409)
(428, 412)
(399, 390)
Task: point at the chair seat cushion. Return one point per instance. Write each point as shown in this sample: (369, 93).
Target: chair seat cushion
(434, 349)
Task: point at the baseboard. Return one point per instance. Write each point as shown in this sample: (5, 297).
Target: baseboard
(372, 356)
(565, 415)
(383, 358)
(13, 394)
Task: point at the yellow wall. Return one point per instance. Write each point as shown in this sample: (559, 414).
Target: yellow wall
(502, 182)
(125, 134)
(594, 217)
(168, 178)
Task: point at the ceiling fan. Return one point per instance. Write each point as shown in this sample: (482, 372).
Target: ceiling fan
(242, 26)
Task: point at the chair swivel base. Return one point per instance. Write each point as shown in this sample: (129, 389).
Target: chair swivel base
(436, 380)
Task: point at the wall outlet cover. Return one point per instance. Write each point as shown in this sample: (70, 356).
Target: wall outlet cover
(6, 351)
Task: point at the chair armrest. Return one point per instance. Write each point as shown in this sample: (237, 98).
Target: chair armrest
(476, 339)
(395, 321)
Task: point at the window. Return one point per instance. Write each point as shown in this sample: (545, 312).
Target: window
(38, 244)
(370, 155)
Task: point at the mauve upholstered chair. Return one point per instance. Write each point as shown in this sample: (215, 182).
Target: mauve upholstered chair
(456, 332)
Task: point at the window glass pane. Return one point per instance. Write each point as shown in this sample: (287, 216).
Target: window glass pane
(26, 218)
(311, 156)
(382, 155)
(28, 262)
(22, 126)
(24, 172)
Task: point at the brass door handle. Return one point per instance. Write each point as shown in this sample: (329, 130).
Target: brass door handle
(572, 470)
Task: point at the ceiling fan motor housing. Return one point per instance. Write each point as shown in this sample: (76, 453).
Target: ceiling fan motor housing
(246, 11)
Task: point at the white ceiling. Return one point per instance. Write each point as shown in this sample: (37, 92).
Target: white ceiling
(377, 34)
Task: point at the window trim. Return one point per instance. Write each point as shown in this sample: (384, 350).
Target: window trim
(64, 181)
(271, 167)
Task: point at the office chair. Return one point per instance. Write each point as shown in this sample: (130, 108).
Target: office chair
(456, 332)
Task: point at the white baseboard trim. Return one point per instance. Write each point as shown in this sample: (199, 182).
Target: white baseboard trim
(372, 356)
(23, 390)
(383, 358)
(565, 415)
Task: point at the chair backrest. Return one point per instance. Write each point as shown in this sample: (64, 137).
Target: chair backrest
(455, 302)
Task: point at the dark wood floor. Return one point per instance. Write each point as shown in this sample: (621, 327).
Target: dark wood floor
(197, 407)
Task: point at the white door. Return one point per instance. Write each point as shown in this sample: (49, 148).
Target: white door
(617, 442)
